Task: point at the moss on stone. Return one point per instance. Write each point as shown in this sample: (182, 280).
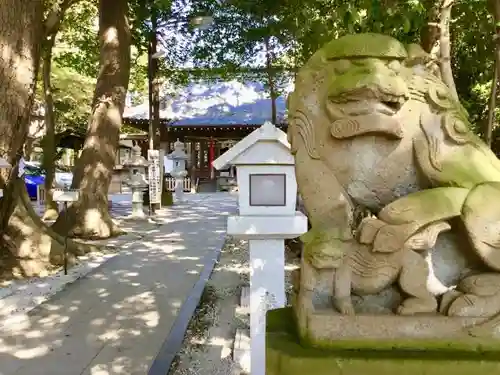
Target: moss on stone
(325, 245)
(365, 45)
(285, 355)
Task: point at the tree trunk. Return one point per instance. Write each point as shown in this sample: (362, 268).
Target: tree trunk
(20, 26)
(445, 47)
(27, 246)
(89, 217)
(49, 146)
(52, 26)
(429, 36)
(270, 81)
(495, 5)
(488, 132)
(28, 148)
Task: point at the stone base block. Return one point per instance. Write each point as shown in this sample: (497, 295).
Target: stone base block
(241, 350)
(379, 353)
(325, 325)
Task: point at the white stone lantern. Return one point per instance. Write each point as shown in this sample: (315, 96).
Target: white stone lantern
(267, 216)
(178, 157)
(4, 164)
(137, 166)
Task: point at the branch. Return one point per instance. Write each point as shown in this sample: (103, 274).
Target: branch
(53, 20)
(445, 47)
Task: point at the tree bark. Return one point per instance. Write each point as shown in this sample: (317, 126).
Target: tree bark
(27, 246)
(429, 36)
(52, 25)
(495, 5)
(270, 80)
(49, 146)
(445, 47)
(488, 131)
(89, 217)
(20, 23)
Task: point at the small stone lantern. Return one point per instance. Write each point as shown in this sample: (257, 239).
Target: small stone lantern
(4, 164)
(137, 166)
(267, 216)
(179, 157)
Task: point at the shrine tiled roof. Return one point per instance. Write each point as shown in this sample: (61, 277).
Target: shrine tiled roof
(223, 103)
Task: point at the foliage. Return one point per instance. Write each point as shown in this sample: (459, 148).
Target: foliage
(72, 98)
(76, 62)
(299, 28)
(472, 56)
(234, 47)
(77, 45)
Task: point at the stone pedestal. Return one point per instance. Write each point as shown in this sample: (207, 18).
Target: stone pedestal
(266, 235)
(179, 185)
(137, 182)
(137, 203)
(287, 354)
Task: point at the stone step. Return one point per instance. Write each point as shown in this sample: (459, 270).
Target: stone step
(241, 349)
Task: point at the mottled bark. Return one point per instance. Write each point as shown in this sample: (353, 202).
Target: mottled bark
(27, 246)
(494, 6)
(52, 25)
(49, 145)
(429, 35)
(20, 25)
(445, 47)
(89, 216)
(270, 81)
(488, 131)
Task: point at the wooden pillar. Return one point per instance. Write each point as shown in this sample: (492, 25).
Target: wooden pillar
(211, 157)
(193, 165)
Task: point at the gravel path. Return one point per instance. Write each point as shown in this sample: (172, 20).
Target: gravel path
(208, 344)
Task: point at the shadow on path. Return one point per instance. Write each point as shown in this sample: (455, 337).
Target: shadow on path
(114, 320)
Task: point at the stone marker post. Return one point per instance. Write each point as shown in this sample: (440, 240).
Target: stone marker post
(267, 216)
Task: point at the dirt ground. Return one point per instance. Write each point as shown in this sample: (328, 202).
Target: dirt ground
(208, 343)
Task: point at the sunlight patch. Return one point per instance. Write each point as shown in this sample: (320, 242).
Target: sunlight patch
(33, 352)
(111, 35)
(151, 318)
(93, 219)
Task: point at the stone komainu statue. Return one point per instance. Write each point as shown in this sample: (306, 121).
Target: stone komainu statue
(372, 126)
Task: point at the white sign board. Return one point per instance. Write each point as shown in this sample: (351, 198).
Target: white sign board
(154, 176)
(21, 167)
(60, 195)
(168, 164)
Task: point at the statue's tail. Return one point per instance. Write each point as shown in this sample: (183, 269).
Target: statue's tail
(481, 215)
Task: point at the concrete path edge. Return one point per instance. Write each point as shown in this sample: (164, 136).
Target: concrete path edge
(175, 338)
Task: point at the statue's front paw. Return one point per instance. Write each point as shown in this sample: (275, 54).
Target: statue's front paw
(391, 238)
(470, 305)
(344, 305)
(368, 229)
(414, 306)
(447, 299)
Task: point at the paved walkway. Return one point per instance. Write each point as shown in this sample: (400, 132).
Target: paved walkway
(114, 320)
(121, 205)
